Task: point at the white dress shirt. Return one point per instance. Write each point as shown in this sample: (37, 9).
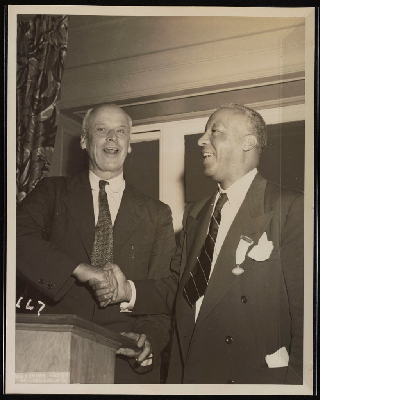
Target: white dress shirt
(236, 194)
(114, 189)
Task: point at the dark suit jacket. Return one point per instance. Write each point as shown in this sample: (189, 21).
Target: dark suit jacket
(243, 318)
(55, 233)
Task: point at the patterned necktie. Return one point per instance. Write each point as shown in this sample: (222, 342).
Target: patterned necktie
(103, 240)
(196, 285)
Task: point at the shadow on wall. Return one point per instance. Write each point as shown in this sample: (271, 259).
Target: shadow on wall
(77, 159)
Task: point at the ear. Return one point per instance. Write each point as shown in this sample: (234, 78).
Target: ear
(83, 142)
(129, 148)
(250, 141)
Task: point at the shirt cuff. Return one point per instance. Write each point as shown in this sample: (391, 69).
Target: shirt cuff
(125, 306)
(148, 361)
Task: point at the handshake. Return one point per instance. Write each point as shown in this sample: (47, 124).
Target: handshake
(108, 283)
(110, 286)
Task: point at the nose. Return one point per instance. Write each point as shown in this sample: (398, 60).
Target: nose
(204, 139)
(112, 136)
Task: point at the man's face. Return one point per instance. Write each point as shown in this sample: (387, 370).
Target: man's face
(107, 142)
(222, 146)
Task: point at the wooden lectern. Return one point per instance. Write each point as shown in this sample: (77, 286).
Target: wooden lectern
(53, 348)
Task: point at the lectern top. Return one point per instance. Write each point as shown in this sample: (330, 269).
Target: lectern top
(68, 322)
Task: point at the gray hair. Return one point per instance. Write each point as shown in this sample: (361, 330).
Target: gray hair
(90, 113)
(256, 122)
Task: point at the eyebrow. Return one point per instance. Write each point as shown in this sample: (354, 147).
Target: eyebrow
(105, 123)
(219, 125)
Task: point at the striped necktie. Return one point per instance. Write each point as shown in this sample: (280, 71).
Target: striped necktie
(196, 285)
(103, 242)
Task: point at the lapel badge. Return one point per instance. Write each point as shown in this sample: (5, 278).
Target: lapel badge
(237, 270)
(244, 243)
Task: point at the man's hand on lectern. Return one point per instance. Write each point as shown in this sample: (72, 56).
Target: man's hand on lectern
(144, 357)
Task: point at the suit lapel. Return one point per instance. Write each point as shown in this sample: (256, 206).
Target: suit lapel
(129, 217)
(251, 220)
(79, 202)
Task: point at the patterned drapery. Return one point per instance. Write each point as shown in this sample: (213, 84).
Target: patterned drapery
(41, 50)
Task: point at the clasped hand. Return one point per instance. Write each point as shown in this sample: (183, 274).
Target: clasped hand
(108, 283)
(113, 288)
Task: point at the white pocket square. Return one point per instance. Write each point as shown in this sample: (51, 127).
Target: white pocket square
(278, 359)
(262, 250)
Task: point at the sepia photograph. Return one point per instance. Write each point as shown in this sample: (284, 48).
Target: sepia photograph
(160, 194)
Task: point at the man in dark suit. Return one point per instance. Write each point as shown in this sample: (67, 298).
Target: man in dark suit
(59, 250)
(238, 270)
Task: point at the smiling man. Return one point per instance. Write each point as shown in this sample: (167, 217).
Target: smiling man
(239, 305)
(238, 272)
(69, 228)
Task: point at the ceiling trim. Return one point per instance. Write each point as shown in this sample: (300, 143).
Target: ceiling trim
(245, 58)
(271, 104)
(246, 62)
(202, 92)
(76, 113)
(103, 95)
(274, 112)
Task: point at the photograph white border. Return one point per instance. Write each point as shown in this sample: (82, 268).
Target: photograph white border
(306, 388)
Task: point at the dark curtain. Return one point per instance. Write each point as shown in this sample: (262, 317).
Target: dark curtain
(41, 50)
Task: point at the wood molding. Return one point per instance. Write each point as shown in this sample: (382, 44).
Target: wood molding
(298, 100)
(154, 124)
(232, 60)
(203, 91)
(74, 324)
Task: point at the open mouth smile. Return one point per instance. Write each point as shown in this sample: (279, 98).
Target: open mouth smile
(206, 155)
(111, 150)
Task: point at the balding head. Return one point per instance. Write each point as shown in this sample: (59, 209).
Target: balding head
(106, 137)
(91, 113)
(230, 144)
(257, 125)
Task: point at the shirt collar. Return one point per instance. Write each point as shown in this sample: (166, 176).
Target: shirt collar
(238, 190)
(116, 184)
